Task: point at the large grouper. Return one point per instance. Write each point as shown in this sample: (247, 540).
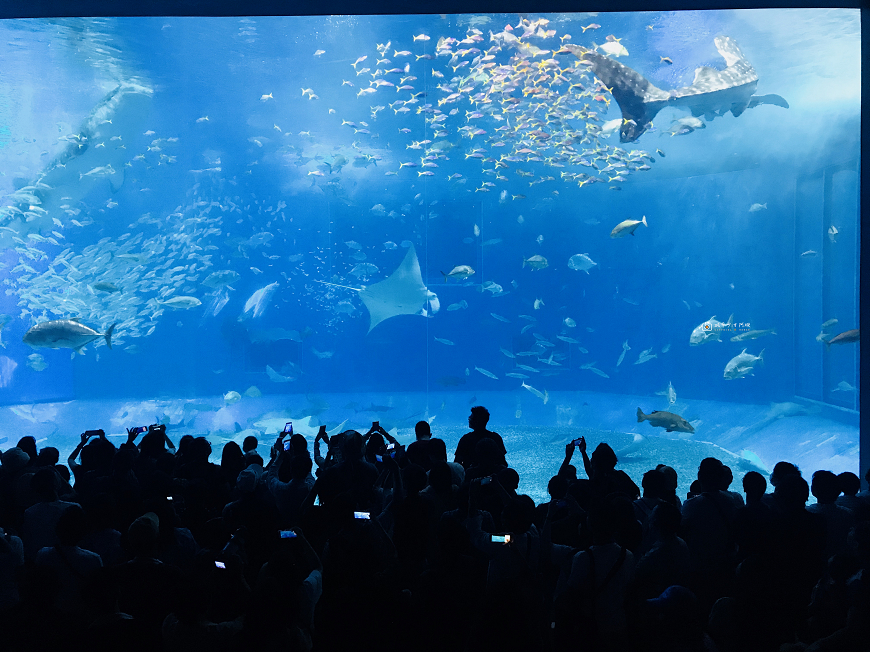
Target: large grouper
(65, 334)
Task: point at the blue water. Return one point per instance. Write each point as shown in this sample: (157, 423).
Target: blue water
(273, 187)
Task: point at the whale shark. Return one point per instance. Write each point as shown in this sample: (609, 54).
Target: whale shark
(712, 93)
(80, 165)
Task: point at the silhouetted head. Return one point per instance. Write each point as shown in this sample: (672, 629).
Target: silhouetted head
(440, 478)
(71, 526)
(142, 535)
(670, 475)
(48, 456)
(518, 515)
(249, 443)
(754, 485)
(28, 445)
(782, 469)
(825, 487)
(850, 484)
(792, 492)
(666, 519)
(352, 447)
(727, 477)
(557, 487)
(655, 484)
(710, 474)
(298, 444)
(232, 458)
(437, 450)
(152, 444)
(44, 484)
(509, 479)
(300, 467)
(422, 430)
(200, 450)
(603, 458)
(478, 418)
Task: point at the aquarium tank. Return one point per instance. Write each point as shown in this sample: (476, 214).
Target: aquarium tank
(575, 220)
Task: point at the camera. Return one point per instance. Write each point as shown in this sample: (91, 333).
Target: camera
(362, 516)
(287, 534)
(501, 538)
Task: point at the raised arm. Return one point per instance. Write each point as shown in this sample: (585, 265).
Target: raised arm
(71, 460)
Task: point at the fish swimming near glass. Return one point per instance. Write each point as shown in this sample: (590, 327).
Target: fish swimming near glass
(65, 334)
(712, 93)
(668, 420)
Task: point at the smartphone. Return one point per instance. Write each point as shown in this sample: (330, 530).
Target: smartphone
(220, 564)
(390, 447)
(169, 498)
(376, 424)
(379, 458)
(287, 534)
(287, 445)
(140, 430)
(576, 442)
(485, 480)
(93, 433)
(501, 538)
(288, 428)
(362, 516)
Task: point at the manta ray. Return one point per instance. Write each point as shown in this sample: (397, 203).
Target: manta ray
(401, 293)
(712, 93)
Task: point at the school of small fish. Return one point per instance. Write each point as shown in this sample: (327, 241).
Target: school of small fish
(508, 107)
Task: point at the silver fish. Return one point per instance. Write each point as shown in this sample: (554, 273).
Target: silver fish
(65, 334)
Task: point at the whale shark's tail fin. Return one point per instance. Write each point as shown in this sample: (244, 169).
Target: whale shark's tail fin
(632, 91)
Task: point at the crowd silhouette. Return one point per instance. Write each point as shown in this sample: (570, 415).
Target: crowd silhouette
(149, 547)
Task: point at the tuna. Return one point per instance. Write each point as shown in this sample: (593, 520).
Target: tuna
(64, 334)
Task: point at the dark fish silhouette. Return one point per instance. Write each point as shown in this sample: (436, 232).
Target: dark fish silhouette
(712, 93)
(845, 337)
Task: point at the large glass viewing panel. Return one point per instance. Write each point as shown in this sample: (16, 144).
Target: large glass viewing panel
(572, 219)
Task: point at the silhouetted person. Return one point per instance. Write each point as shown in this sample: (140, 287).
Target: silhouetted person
(752, 522)
(838, 520)
(850, 485)
(708, 530)
(146, 586)
(466, 454)
(601, 470)
(780, 471)
(424, 451)
(667, 561)
(38, 528)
